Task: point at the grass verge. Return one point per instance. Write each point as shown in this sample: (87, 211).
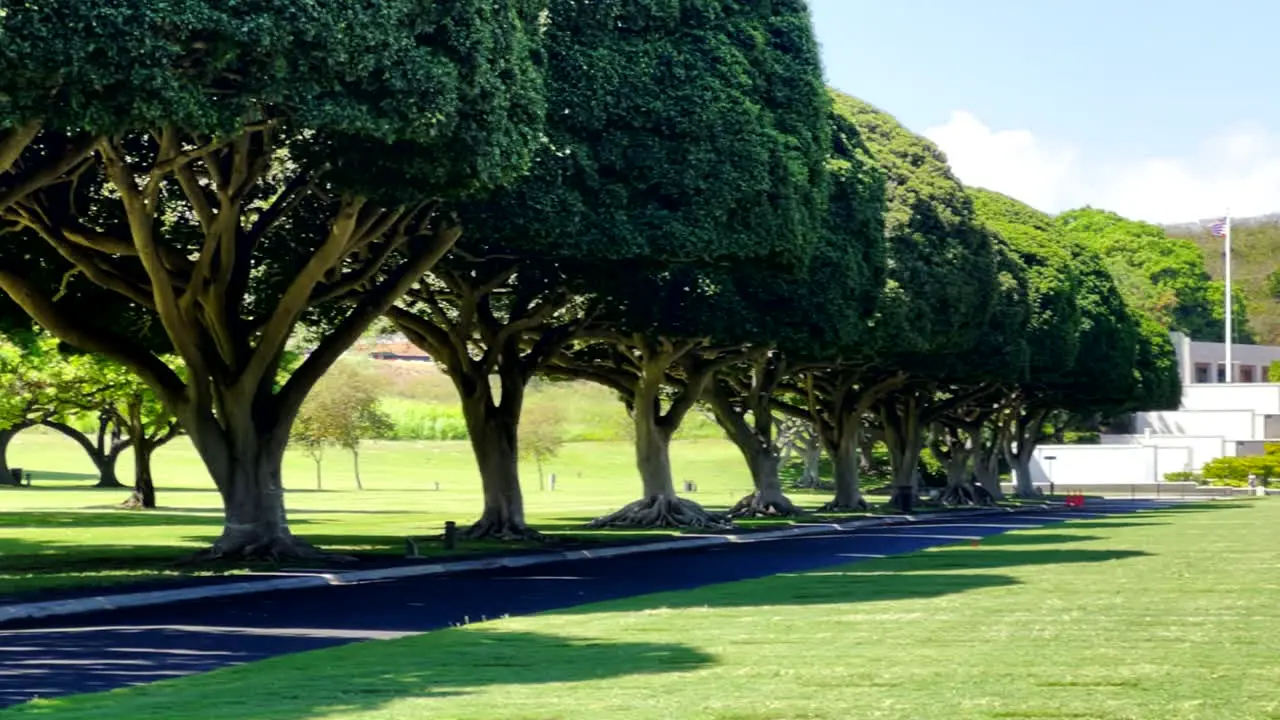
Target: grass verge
(1133, 617)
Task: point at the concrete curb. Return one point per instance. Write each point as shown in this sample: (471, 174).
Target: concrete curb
(77, 606)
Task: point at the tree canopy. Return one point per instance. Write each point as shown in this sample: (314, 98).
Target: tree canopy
(236, 169)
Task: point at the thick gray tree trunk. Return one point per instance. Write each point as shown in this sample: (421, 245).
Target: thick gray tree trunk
(904, 436)
(244, 458)
(843, 443)
(660, 506)
(494, 432)
(1021, 449)
(759, 450)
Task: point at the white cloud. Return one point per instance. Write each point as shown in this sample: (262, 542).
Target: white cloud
(1238, 168)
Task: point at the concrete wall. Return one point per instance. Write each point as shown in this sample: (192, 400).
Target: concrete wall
(1262, 398)
(1230, 424)
(1190, 354)
(1203, 449)
(1107, 464)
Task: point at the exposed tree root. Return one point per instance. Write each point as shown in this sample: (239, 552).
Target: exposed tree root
(135, 502)
(273, 549)
(765, 504)
(663, 511)
(859, 505)
(489, 527)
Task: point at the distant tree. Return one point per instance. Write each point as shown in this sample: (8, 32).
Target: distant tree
(1162, 276)
(342, 411)
(308, 433)
(542, 434)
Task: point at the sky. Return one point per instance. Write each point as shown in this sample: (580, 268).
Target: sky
(1161, 110)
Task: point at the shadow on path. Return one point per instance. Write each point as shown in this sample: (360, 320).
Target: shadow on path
(356, 677)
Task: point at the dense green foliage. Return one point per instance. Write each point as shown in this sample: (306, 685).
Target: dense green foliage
(1255, 247)
(1235, 471)
(1162, 276)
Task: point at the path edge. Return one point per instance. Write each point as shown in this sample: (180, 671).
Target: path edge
(78, 606)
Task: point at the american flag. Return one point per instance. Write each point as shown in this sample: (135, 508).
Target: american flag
(1219, 228)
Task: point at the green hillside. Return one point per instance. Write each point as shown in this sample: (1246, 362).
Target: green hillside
(1255, 254)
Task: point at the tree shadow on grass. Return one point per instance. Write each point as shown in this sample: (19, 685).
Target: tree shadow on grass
(350, 678)
(54, 519)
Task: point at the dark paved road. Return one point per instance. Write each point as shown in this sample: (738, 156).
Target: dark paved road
(100, 651)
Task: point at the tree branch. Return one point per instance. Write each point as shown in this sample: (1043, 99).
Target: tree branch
(375, 304)
(167, 385)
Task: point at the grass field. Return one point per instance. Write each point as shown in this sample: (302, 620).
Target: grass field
(61, 532)
(1163, 616)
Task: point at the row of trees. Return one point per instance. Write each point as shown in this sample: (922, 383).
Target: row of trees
(660, 197)
(100, 405)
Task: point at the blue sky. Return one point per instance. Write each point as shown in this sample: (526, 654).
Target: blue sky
(1168, 110)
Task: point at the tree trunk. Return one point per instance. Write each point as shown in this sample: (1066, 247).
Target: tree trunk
(904, 436)
(106, 465)
(1020, 451)
(842, 445)
(319, 479)
(6, 437)
(245, 466)
(760, 451)
(494, 433)
(960, 488)
(660, 507)
(355, 459)
(768, 499)
(144, 489)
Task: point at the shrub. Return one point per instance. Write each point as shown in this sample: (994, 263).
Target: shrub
(1235, 471)
(1183, 476)
(1081, 438)
(423, 421)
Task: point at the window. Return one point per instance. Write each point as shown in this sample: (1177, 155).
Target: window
(1222, 372)
(1202, 372)
(1246, 373)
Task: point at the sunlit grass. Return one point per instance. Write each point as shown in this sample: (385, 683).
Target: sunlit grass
(1159, 616)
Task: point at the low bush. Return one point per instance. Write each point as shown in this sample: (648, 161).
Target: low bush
(1235, 471)
(1183, 476)
(412, 420)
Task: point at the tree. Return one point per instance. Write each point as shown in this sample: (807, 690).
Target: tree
(542, 434)
(1103, 358)
(935, 301)
(1158, 275)
(678, 133)
(147, 426)
(343, 410)
(235, 170)
(794, 322)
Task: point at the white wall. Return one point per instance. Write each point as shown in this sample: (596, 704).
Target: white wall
(1203, 449)
(1262, 398)
(1230, 424)
(1107, 464)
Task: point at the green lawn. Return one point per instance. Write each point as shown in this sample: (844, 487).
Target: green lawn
(62, 532)
(1168, 615)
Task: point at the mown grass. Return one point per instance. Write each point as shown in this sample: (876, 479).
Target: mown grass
(1164, 615)
(63, 533)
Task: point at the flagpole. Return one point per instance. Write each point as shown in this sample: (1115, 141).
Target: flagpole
(1227, 276)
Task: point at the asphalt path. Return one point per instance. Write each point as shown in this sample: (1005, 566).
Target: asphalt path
(111, 649)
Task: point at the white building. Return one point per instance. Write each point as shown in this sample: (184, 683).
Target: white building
(1217, 419)
(1205, 362)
